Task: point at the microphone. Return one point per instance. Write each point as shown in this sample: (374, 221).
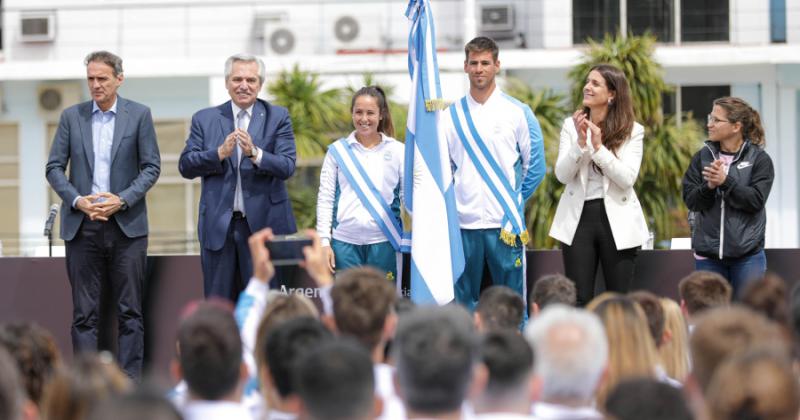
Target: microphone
(48, 225)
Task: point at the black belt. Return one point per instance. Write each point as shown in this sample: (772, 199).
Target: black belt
(238, 215)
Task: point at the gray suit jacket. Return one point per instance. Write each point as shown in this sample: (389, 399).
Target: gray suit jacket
(135, 164)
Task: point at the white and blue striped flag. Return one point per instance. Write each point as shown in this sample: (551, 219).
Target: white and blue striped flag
(437, 256)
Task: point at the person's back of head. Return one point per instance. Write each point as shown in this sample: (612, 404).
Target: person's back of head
(10, 382)
(336, 381)
(35, 352)
(286, 344)
(509, 360)
(653, 312)
(435, 351)
(500, 307)
(758, 384)
(362, 301)
(210, 352)
(767, 296)
(633, 353)
(281, 307)
(723, 332)
(702, 290)
(571, 351)
(674, 352)
(647, 399)
(141, 404)
(77, 388)
(553, 288)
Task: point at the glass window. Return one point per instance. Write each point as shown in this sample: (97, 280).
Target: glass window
(777, 20)
(655, 16)
(593, 19)
(699, 100)
(704, 20)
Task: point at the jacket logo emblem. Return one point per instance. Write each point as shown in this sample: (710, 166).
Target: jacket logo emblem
(743, 165)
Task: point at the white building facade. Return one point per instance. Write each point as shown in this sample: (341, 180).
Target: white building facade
(174, 51)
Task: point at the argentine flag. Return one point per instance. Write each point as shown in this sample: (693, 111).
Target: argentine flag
(437, 256)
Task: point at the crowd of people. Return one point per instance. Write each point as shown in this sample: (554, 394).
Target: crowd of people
(494, 353)
(367, 354)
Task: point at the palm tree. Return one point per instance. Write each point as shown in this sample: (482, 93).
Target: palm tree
(317, 115)
(318, 118)
(550, 110)
(668, 146)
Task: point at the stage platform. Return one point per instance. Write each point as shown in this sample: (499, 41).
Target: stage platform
(37, 289)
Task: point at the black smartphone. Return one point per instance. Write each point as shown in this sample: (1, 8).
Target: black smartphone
(287, 249)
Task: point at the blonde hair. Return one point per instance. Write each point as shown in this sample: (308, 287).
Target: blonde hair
(631, 350)
(675, 352)
(601, 298)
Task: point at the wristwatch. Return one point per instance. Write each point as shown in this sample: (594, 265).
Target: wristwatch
(252, 152)
(124, 204)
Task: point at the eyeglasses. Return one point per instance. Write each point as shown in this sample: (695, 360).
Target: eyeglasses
(713, 120)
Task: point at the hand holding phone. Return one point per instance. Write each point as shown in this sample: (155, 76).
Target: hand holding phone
(287, 249)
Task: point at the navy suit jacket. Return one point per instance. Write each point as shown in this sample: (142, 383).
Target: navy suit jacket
(135, 164)
(266, 200)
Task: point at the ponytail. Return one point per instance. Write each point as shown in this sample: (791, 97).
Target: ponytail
(740, 111)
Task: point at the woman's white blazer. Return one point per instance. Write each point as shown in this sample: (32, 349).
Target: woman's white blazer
(624, 212)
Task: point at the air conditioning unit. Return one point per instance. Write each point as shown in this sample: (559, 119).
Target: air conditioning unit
(496, 18)
(38, 26)
(52, 98)
(362, 32)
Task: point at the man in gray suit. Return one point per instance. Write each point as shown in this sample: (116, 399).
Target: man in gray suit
(110, 146)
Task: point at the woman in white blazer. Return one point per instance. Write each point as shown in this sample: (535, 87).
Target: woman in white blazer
(599, 218)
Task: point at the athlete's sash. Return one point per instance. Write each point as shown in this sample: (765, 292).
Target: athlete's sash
(370, 196)
(510, 198)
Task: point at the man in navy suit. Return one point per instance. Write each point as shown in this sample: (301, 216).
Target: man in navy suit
(110, 146)
(244, 150)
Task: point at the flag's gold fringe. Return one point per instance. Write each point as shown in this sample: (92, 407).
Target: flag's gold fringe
(435, 105)
(510, 238)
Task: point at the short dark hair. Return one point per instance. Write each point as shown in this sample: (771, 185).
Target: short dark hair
(336, 381)
(36, 354)
(647, 398)
(653, 311)
(553, 288)
(509, 359)
(110, 59)
(500, 308)
(286, 344)
(210, 350)
(703, 290)
(10, 396)
(362, 299)
(142, 403)
(435, 350)
(481, 44)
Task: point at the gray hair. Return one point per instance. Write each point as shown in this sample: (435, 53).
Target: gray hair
(110, 59)
(571, 352)
(247, 58)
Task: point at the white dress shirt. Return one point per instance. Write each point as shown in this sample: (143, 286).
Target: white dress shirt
(503, 127)
(242, 122)
(353, 223)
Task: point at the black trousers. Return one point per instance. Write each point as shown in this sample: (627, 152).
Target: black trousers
(227, 271)
(594, 243)
(101, 256)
